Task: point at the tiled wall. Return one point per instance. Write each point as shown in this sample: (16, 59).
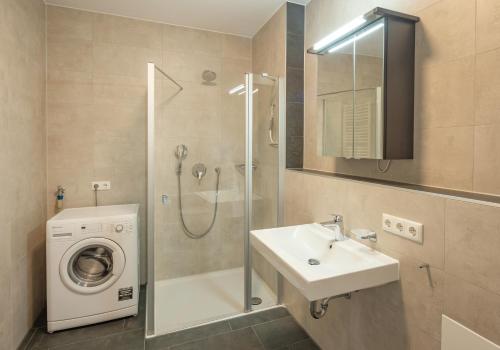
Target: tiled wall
(97, 125)
(461, 242)
(96, 106)
(456, 92)
(22, 167)
(269, 56)
(211, 123)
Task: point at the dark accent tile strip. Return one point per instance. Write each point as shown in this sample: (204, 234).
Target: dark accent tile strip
(295, 85)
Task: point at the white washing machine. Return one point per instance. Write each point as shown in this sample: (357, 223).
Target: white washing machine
(92, 265)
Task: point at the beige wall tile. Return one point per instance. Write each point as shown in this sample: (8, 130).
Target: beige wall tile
(487, 88)
(445, 94)
(473, 306)
(268, 46)
(452, 166)
(72, 56)
(446, 30)
(192, 40)
(69, 93)
(126, 32)
(422, 341)
(123, 60)
(486, 159)
(67, 25)
(472, 240)
(488, 25)
(22, 167)
(236, 47)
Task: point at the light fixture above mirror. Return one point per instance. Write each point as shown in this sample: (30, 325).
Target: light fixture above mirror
(346, 32)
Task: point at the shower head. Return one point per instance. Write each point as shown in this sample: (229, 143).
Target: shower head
(208, 77)
(181, 152)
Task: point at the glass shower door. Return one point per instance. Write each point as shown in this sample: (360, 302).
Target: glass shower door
(201, 267)
(264, 122)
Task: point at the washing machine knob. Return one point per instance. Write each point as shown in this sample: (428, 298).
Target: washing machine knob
(119, 228)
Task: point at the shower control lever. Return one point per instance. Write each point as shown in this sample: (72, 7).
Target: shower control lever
(199, 171)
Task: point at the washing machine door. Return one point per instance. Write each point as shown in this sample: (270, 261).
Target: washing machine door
(92, 265)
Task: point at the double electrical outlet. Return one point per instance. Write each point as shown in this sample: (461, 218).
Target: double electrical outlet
(408, 229)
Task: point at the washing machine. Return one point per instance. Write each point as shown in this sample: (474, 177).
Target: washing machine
(92, 265)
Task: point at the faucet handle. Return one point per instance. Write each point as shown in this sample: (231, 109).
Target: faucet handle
(337, 218)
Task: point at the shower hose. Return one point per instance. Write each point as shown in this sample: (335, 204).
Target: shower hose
(187, 231)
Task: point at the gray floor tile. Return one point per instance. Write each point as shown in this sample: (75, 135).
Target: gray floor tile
(188, 335)
(280, 333)
(131, 340)
(258, 317)
(46, 340)
(243, 339)
(307, 344)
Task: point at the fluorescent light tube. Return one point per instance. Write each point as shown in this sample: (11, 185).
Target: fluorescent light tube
(241, 93)
(357, 37)
(346, 28)
(342, 44)
(236, 89)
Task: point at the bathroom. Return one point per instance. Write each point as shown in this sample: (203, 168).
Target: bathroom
(220, 126)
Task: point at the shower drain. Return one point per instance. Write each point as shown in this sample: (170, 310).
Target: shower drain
(313, 262)
(256, 301)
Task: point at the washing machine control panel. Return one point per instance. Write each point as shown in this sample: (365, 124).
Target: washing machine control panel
(107, 227)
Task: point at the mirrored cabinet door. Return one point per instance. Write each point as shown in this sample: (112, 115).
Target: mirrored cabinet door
(368, 92)
(365, 87)
(336, 102)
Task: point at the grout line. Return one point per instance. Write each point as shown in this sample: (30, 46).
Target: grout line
(257, 336)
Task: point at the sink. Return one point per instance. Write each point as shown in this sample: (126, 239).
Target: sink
(320, 268)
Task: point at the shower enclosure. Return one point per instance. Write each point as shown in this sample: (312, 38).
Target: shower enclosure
(215, 172)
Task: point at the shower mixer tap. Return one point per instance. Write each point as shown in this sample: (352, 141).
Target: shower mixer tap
(199, 170)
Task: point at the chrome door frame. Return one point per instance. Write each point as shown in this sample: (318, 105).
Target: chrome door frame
(248, 214)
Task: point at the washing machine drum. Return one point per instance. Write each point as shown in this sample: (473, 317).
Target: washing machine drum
(92, 265)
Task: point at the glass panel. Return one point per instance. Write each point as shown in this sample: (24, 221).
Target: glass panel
(199, 196)
(265, 182)
(198, 185)
(335, 89)
(369, 80)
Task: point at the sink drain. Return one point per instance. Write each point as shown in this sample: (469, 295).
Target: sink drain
(256, 301)
(313, 262)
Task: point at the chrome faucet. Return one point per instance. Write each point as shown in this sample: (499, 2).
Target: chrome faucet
(337, 222)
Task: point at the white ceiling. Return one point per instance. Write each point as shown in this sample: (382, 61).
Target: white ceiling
(240, 17)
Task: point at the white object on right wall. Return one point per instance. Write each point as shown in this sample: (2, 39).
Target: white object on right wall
(455, 336)
(405, 228)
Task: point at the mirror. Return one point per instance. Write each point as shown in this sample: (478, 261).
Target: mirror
(350, 85)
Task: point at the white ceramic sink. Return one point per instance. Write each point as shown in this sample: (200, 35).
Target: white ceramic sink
(345, 266)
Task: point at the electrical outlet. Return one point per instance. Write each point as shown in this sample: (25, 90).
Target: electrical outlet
(402, 227)
(101, 185)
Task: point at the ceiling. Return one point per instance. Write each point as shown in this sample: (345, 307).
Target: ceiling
(240, 17)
